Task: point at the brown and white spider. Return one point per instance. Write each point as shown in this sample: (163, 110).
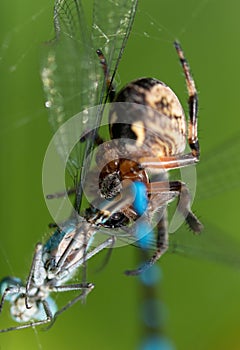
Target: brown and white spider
(147, 127)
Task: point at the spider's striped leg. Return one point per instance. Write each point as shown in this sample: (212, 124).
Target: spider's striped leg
(178, 161)
(192, 103)
(111, 92)
(168, 162)
(183, 200)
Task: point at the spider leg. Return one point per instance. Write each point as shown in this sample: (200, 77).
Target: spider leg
(55, 195)
(168, 162)
(111, 92)
(161, 245)
(192, 103)
(92, 134)
(183, 200)
(177, 161)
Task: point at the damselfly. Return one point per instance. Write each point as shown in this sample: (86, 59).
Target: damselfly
(53, 264)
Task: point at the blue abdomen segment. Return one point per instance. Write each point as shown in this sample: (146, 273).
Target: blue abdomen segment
(141, 200)
(58, 235)
(41, 314)
(10, 282)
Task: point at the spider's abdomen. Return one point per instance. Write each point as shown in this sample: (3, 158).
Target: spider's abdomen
(149, 112)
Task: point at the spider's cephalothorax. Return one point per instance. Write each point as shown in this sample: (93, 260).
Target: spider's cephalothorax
(148, 128)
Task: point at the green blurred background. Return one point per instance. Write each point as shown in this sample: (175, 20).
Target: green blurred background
(202, 299)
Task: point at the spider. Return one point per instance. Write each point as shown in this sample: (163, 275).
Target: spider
(147, 127)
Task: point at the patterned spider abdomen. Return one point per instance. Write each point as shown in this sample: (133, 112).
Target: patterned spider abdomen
(149, 112)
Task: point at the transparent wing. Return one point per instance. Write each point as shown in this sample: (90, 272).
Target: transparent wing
(112, 23)
(111, 26)
(212, 244)
(219, 170)
(72, 76)
(68, 75)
